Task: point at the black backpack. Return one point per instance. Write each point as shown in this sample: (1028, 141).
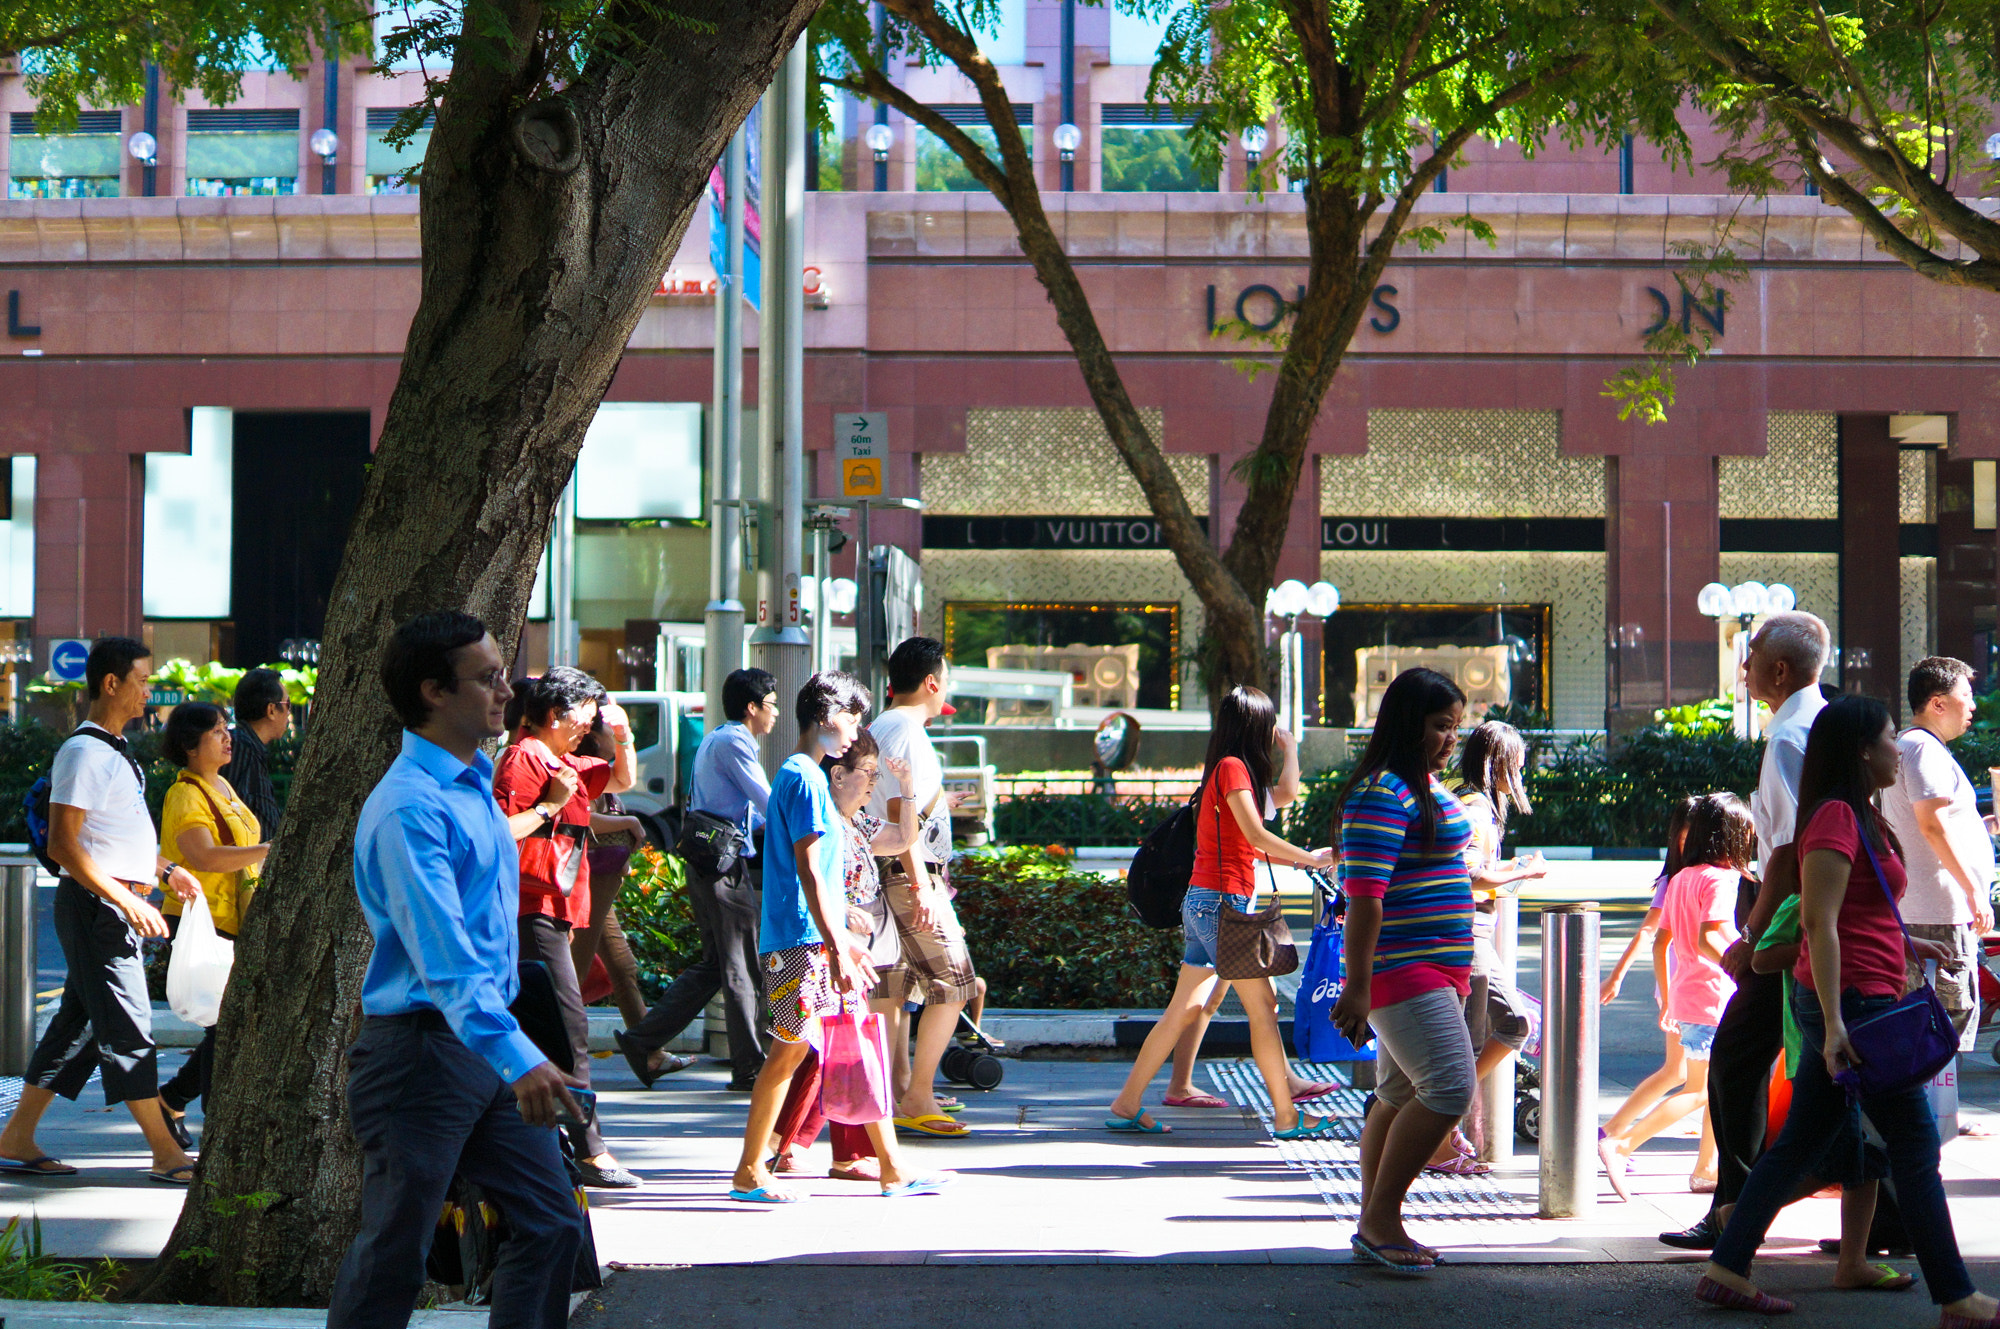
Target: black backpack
(1158, 878)
(35, 807)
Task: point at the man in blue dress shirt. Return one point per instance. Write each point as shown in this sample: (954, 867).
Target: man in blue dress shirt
(442, 1080)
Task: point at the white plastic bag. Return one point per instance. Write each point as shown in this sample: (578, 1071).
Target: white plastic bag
(199, 968)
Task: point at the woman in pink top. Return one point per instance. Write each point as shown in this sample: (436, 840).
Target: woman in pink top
(1852, 968)
(1697, 918)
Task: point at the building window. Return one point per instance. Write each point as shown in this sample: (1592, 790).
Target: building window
(939, 168)
(1497, 653)
(389, 167)
(1118, 656)
(242, 152)
(188, 530)
(1146, 150)
(828, 144)
(79, 163)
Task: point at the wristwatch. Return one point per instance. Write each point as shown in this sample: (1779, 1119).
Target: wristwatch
(542, 811)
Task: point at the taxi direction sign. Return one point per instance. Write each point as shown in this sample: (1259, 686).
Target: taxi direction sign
(861, 441)
(67, 658)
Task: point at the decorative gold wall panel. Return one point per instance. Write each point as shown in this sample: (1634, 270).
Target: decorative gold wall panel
(1057, 462)
(1462, 464)
(1798, 479)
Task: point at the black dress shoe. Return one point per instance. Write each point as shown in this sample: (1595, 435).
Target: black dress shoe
(1701, 1237)
(637, 1056)
(742, 1086)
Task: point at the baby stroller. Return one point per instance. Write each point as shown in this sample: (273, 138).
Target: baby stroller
(1528, 1077)
(970, 1060)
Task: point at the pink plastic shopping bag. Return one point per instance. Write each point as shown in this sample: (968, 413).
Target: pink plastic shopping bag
(854, 1075)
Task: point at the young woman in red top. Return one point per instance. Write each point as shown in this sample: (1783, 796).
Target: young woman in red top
(1852, 967)
(546, 791)
(1239, 792)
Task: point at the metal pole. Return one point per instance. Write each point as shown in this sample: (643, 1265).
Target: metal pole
(781, 645)
(1069, 85)
(864, 606)
(881, 108)
(1496, 1091)
(1569, 1060)
(327, 181)
(149, 174)
(722, 644)
(17, 964)
(562, 579)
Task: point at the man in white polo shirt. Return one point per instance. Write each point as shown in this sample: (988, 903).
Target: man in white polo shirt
(1934, 810)
(102, 836)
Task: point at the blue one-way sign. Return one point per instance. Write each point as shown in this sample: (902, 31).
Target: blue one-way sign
(66, 660)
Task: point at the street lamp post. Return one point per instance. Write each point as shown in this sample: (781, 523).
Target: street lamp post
(1745, 602)
(1288, 600)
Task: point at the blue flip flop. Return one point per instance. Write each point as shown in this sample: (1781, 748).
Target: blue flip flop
(1309, 1128)
(763, 1195)
(1137, 1124)
(32, 1167)
(931, 1185)
(1374, 1254)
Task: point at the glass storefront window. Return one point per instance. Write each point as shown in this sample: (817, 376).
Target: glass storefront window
(939, 168)
(78, 163)
(1499, 655)
(17, 541)
(1118, 655)
(388, 167)
(187, 547)
(1143, 149)
(242, 152)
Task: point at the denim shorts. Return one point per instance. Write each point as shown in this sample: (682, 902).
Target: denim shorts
(1696, 1040)
(1200, 910)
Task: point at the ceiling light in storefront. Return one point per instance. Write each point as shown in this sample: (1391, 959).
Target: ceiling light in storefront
(1255, 139)
(325, 145)
(1322, 599)
(1068, 139)
(1288, 600)
(143, 147)
(880, 138)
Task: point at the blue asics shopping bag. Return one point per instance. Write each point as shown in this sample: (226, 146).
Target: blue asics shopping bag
(1313, 1032)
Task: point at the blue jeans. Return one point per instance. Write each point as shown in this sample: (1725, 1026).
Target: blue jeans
(1820, 1116)
(1201, 911)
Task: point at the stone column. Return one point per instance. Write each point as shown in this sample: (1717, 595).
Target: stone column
(1662, 539)
(1871, 593)
(89, 513)
(1965, 570)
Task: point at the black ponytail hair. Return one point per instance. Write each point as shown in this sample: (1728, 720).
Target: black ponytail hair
(1397, 743)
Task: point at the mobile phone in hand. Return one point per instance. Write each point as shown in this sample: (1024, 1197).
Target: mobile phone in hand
(586, 1110)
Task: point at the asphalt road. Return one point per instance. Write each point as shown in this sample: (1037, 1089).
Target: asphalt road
(1148, 1296)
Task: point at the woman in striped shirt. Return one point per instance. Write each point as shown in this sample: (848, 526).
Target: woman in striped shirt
(1402, 838)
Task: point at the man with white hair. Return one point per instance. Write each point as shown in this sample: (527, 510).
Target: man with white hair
(1783, 670)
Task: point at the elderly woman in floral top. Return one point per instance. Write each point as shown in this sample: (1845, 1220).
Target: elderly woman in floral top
(852, 777)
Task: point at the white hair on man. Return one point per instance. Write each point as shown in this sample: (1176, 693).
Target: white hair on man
(1800, 639)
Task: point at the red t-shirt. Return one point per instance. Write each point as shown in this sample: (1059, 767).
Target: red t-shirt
(1227, 864)
(556, 854)
(1871, 941)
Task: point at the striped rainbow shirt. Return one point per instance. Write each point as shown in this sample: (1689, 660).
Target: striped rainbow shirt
(1426, 937)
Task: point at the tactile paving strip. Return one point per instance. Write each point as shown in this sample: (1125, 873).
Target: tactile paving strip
(1334, 1163)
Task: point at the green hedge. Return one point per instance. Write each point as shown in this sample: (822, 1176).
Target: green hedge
(1046, 936)
(658, 922)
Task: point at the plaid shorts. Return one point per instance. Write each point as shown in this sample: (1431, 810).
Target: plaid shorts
(936, 967)
(798, 988)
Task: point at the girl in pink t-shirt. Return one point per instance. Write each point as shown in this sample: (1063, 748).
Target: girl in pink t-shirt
(1697, 919)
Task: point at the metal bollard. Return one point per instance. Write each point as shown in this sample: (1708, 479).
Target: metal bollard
(1496, 1091)
(17, 964)
(1569, 1060)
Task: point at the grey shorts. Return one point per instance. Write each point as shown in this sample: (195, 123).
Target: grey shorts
(1956, 981)
(1424, 1052)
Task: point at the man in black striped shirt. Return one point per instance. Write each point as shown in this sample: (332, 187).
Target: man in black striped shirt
(263, 711)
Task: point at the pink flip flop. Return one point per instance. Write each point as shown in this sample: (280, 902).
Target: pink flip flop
(1319, 1089)
(1194, 1100)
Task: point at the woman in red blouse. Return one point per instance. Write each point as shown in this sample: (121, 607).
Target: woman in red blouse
(1851, 967)
(546, 789)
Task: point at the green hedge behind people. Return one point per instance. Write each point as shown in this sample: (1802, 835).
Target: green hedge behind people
(101, 834)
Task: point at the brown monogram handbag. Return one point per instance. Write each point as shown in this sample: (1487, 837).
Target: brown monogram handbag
(1255, 945)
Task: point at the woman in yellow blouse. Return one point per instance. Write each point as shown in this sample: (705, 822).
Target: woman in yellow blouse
(208, 830)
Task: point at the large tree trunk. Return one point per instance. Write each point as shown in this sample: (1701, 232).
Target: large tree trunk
(545, 230)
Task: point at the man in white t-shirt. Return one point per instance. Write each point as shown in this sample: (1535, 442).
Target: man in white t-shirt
(936, 968)
(1947, 846)
(102, 836)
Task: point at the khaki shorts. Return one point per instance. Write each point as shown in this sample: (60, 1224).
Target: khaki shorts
(798, 988)
(1956, 981)
(936, 968)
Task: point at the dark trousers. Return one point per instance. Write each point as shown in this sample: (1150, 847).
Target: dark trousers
(1821, 1118)
(726, 912)
(424, 1107)
(106, 1016)
(1747, 1043)
(547, 939)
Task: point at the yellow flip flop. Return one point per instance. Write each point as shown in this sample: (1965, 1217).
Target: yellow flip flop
(935, 1123)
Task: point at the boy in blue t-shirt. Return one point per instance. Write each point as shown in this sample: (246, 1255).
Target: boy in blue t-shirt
(810, 959)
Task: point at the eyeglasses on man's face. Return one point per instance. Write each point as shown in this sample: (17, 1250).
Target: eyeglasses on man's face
(492, 680)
